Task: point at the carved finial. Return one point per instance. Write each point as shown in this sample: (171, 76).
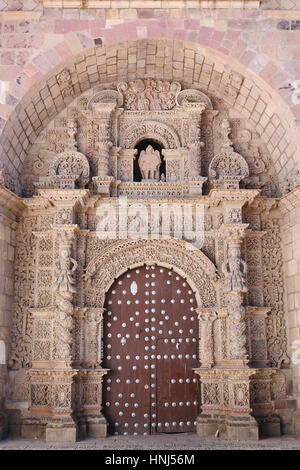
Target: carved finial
(225, 132)
(72, 131)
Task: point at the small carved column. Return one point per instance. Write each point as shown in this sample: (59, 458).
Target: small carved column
(235, 269)
(194, 143)
(103, 114)
(102, 124)
(93, 352)
(206, 318)
(126, 159)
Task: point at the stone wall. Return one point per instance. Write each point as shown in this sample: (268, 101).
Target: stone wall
(251, 52)
(290, 225)
(9, 206)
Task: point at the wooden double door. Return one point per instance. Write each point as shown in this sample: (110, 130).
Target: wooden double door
(151, 347)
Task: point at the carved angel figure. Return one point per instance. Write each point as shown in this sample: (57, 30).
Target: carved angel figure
(149, 163)
(234, 269)
(64, 281)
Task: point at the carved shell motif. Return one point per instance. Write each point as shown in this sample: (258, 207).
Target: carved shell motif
(71, 164)
(228, 165)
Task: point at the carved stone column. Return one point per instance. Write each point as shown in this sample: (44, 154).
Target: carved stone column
(103, 117)
(235, 269)
(206, 318)
(125, 163)
(93, 350)
(64, 289)
(91, 421)
(194, 142)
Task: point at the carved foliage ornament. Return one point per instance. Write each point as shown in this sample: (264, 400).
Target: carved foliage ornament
(71, 164)
(113, 261)
(149, 94)
(228, 166)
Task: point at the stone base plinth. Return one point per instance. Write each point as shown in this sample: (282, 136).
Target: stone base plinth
(3, 425)
(211, 425)
(96, 427)
(61, 434)
(269, 426)
(297, 423)
(49, 430)
(91, 426)
(33, 428)
(235, 428)
(240, 428)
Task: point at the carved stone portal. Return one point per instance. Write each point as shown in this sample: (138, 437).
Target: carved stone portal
(76, 237)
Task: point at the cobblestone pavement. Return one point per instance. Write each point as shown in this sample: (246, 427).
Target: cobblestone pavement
(156, 442)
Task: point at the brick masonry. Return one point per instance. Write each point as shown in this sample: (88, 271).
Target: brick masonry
(248, 56)
(290, 225)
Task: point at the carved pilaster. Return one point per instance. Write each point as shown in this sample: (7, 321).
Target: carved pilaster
(206, 318)
(64, 289)
(103, 115)
(94, 347)
(235, 269)
(193, 113)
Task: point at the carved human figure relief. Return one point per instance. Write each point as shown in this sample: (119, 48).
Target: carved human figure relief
(64, 279)
(149, 163)
(234, 269)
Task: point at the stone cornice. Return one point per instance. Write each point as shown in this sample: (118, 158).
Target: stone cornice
(9, 201)
(290, 201)
(81, 200)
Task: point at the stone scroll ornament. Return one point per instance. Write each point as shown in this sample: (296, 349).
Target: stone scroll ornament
(149, 163)
(64, 290)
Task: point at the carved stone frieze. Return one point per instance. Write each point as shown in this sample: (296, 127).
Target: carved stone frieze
(273, 293)
(149, 94)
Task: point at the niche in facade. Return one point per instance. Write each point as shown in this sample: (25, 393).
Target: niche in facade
(142, 146)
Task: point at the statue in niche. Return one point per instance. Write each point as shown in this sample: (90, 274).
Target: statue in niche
(149, 163)
(234, 269)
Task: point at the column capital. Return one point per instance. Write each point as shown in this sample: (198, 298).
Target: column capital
(233, 232)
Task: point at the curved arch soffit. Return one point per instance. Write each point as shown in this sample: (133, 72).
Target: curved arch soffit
(150, 129)
(181, 256)
(273, 101)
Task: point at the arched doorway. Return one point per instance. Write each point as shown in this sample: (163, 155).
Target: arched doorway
(151, 347)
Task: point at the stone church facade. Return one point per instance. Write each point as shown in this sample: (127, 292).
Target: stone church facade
(149, 218)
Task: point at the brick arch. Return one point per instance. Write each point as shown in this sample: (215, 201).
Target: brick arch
(194, 64)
